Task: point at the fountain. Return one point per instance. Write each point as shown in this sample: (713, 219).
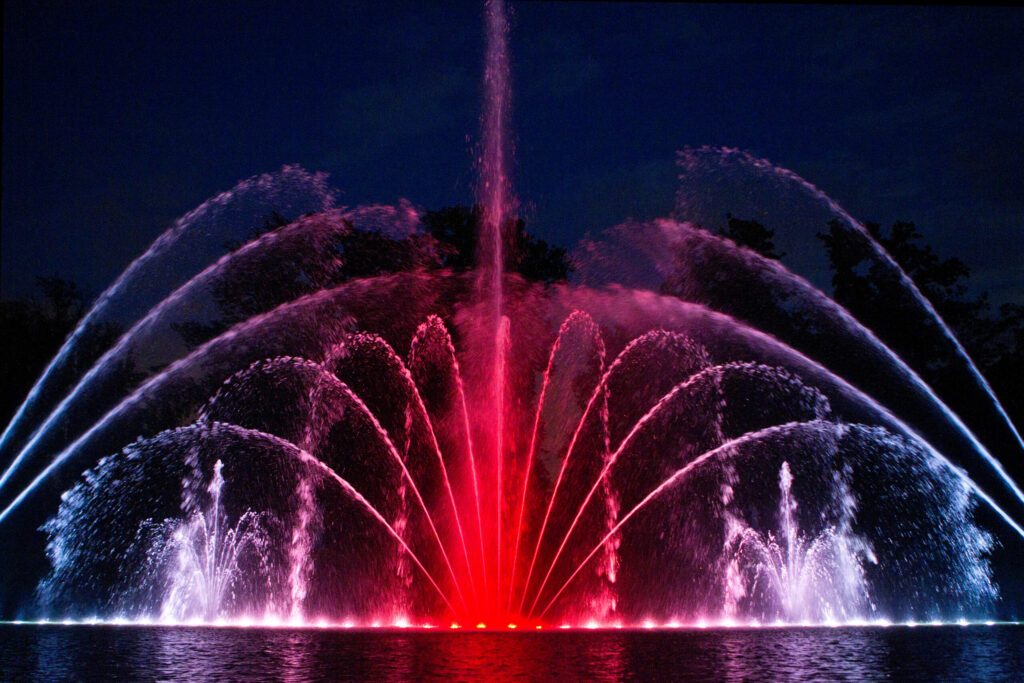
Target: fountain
(209, 557)
(687, 432)
(793, 577)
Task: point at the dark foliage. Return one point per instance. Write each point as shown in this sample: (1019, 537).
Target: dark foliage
(448, 241)
(456, 227)
(31, 333)
(873, 292)
(752, 235)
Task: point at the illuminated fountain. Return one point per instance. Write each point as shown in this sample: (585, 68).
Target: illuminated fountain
(210, 558)
(688, 432)
(793, 577)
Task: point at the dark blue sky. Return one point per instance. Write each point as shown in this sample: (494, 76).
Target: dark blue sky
(120, 116)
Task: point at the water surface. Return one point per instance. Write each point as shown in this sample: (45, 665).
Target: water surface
(57, 653)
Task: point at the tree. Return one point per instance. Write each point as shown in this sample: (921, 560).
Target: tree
(354, 252)
(873, 291)
(31, 332)
(752, 235)
(456, 229)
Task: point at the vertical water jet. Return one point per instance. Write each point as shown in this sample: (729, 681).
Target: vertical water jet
(495, 199)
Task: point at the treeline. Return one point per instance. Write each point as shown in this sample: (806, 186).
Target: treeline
(32, 330)
(874, 293)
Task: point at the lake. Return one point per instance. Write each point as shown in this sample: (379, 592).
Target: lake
(58, 653)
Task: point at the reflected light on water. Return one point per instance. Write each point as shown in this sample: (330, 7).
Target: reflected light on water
(56, 651)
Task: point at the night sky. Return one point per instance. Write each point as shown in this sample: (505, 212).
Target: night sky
(118, 116)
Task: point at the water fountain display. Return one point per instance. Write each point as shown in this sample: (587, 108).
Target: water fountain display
(305, 420)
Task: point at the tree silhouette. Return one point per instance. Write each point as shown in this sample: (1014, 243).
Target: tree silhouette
(752, 235)
(456, 228)
(448, 241)
(874, 293)
(32, 331)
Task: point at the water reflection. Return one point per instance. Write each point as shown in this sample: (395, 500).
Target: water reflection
(87, 653)
(802, 654)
